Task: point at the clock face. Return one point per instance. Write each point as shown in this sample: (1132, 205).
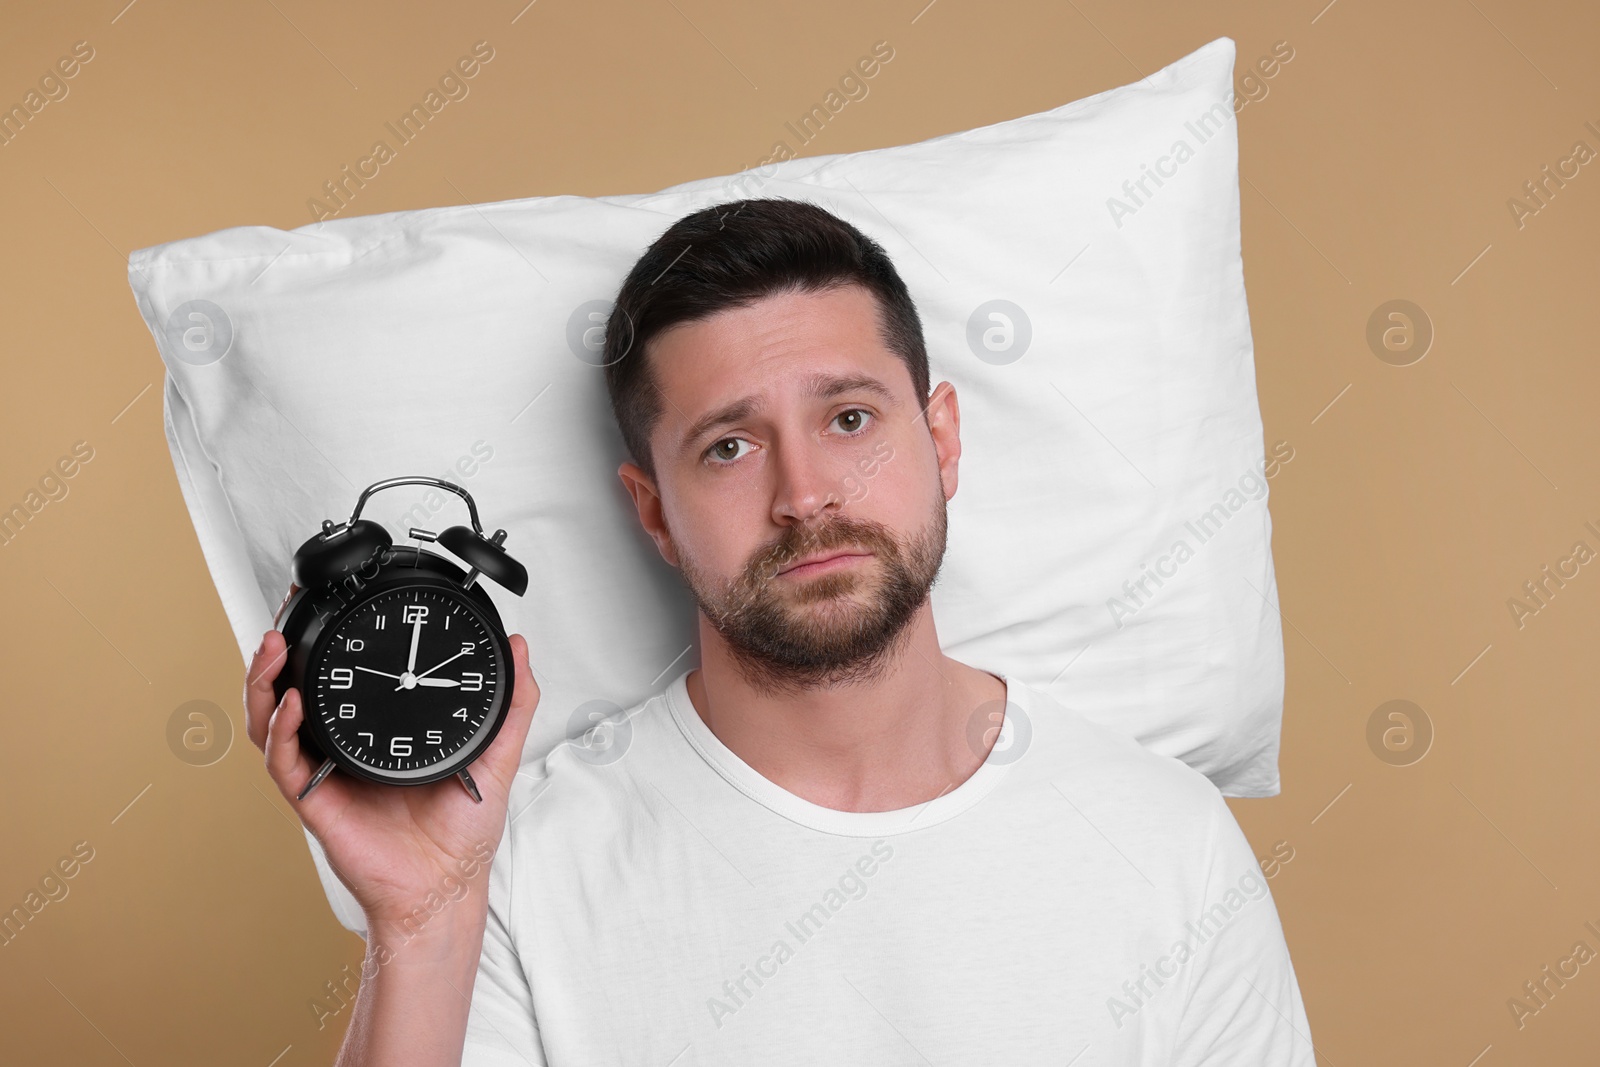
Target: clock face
(407, 681)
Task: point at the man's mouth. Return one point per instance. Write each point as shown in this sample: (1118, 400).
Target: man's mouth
(822, 562)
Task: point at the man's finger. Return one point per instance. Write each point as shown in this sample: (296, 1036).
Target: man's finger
(259, 697)
(286, 761)
(277, 616)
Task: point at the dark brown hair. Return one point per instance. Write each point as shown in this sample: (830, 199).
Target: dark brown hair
(729, 256)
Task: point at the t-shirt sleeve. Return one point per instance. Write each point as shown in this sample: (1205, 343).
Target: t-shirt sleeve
(501, 1028)
(1243, 1001)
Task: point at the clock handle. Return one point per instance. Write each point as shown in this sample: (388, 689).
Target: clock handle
(482, 552)
(472, 507)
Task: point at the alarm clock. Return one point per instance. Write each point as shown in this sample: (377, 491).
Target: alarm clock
(403, 665)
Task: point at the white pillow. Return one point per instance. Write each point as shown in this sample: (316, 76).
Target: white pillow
(1091, 316)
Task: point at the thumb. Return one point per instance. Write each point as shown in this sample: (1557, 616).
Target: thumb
(503, 757)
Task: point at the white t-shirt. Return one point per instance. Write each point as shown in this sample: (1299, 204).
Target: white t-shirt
(1078, 901)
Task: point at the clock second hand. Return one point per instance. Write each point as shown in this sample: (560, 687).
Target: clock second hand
(420, 681)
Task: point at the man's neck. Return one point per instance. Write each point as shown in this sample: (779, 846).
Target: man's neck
(900, 738)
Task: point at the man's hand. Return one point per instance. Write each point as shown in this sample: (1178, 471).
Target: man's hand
(390, 845)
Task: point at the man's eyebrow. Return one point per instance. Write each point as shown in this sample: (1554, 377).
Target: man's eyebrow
(822, 386)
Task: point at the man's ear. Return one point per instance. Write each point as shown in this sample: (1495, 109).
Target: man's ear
(647, 502)
(944, 425)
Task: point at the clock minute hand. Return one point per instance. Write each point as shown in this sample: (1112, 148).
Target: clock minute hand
(416, 633)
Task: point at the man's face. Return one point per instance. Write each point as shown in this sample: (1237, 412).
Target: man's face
(828, 454)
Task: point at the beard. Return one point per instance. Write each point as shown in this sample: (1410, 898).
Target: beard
(790, 635)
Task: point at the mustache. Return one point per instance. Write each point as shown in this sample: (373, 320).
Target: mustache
(802, 541)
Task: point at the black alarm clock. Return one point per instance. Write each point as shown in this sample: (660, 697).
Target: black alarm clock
(403, 665)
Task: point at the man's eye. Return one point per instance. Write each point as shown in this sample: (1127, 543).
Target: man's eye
(860, 420)
(719, 453)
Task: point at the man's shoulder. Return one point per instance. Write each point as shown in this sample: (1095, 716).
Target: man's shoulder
(1093, 763)
(596, 773)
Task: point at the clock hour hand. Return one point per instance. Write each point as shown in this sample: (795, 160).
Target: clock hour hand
(423, 679)
(437, 681)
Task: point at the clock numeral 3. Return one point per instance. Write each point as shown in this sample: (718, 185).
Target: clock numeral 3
(471, 682)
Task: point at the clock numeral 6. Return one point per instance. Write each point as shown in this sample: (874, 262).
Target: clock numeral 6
(414, 613)
(436, 737)
(471, 682)
(341, 678)
(400, 746)
(347, 711)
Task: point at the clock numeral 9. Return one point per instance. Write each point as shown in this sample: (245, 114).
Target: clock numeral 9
(347, 711)
(436, 737)
(342, 678)
(471, 682)
(400, 746)
(414, 613)
(354, 644)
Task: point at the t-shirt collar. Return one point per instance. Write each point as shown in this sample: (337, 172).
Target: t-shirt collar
(753, 784)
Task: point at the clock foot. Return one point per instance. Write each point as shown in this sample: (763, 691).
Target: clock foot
(472, 787)
(316, 779)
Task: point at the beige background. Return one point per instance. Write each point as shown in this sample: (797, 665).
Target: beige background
(1378, 166)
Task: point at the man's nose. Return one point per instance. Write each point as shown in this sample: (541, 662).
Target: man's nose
(807, 487)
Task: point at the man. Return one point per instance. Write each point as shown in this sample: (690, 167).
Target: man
(830, 843)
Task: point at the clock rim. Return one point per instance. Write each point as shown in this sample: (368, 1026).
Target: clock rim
(413, 567)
